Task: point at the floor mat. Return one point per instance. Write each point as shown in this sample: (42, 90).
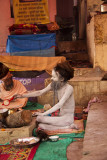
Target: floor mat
(53, 150)
(9, 152)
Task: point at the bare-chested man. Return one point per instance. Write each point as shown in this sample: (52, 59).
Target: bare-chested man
(66, 104)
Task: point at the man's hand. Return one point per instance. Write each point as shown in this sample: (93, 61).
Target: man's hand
(18, 96)
(37, 114)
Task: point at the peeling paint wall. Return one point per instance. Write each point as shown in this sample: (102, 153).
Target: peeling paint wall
(90, 40)
(93, 5)
(100, 29)
(97, 34)
(97, 41)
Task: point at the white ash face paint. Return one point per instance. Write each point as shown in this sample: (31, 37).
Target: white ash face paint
(55, 76)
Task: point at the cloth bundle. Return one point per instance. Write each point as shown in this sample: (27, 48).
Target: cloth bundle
(20, 29)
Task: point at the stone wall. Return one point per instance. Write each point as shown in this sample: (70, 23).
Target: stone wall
(93, 5)
(100, 28)
(83, 92)
(84, 89)
(90, 40)
(97, 41)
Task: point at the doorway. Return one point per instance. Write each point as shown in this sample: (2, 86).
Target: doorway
(68, 19)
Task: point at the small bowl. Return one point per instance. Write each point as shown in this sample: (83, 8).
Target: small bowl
(54, 138)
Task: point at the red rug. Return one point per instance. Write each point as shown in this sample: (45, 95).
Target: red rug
(9, 152)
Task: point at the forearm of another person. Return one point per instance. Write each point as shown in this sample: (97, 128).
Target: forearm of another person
(18, 103)
(36, 93)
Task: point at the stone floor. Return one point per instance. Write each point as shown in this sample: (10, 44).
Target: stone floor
(94, 144)
(74, 150)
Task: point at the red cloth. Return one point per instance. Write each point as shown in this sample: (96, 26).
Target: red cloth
(9, 152)
(56, 113)
(33, 151)
(4, 156)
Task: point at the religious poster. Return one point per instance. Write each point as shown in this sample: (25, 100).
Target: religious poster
(31, 11)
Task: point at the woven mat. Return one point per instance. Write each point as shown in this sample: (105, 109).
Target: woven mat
(9, 152)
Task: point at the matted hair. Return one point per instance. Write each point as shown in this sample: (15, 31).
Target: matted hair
(3, 70)
(65, 70)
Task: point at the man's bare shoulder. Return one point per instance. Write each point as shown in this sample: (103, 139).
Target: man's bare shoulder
(69, 86)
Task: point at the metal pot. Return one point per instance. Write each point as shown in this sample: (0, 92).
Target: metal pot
(3, 113)
(104, 7)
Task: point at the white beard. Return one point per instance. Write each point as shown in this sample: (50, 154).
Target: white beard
(56, 85)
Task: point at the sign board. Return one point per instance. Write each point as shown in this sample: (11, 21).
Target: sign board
(31, 11)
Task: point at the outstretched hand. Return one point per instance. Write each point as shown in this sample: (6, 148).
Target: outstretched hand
(18, 96)
(37, 114)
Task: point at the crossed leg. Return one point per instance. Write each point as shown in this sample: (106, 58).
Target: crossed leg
(53, 123)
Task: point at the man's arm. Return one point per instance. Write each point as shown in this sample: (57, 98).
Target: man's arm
(35, 93)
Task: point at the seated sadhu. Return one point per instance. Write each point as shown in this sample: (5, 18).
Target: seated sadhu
(66, 104)
(8, 88)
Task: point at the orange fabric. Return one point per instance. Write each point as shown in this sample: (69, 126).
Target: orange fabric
(52, 26)
(17, 89)
(56, 113)
(79, 124)
(27, 63)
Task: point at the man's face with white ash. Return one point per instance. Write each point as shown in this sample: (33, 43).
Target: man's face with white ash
(57, 80)
(55, 76)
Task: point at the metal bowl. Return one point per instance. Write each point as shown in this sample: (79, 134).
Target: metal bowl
(3, 113)
(54, 138)
(24, 142)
